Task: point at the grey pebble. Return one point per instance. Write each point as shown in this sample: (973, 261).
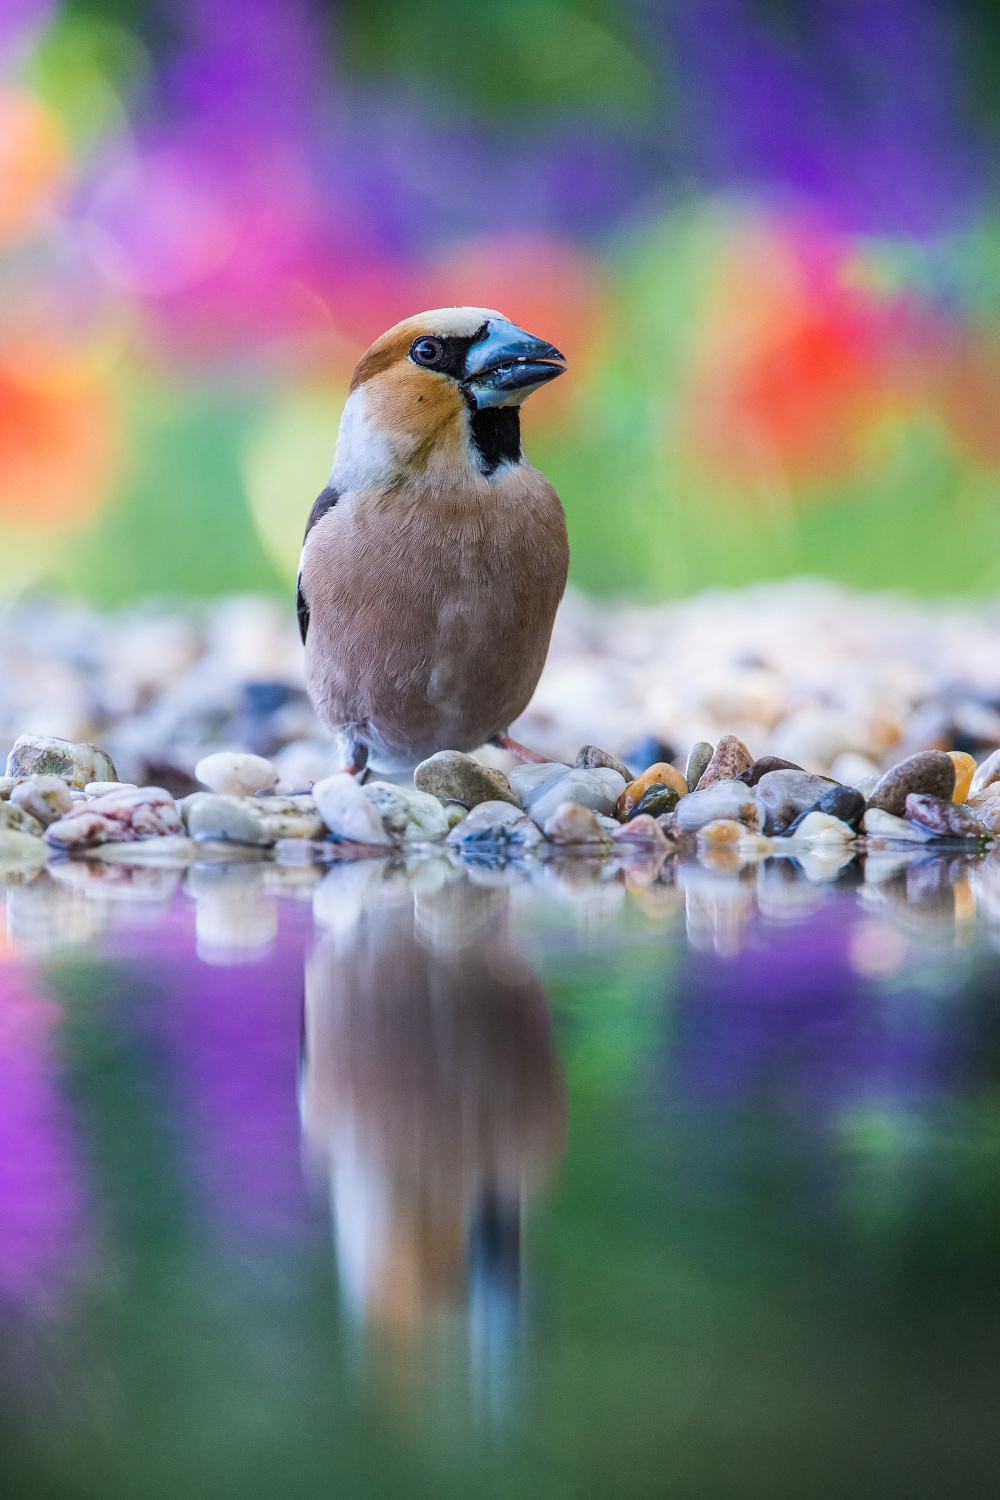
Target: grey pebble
(723, 799)
(453, 776)
(697, 762)
(44, 755)
(786, 794)
(592, 758)
(929, 772)
(599, 790)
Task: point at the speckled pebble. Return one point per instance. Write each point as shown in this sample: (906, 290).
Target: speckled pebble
(495, 829)
(697, 763)
(930, 772)
(452, 776)
(234, 773)
(212, 815)
(44, 797)
(593, 758)
(19, 820)
(730, 760)
(44, 755)
(951, 820)
(573, 824)
(413, 815)
(119, 817)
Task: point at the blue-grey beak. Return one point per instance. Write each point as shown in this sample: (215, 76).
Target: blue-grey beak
(508, 364)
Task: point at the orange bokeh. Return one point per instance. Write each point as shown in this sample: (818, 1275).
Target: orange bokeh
(58, 437)
(796, 361)
(33, 162)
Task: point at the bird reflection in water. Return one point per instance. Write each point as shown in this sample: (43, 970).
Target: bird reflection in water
(433, 1101)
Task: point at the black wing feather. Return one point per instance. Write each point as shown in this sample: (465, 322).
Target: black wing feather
(323, 502)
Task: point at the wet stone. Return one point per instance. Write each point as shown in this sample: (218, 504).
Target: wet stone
(20, 849)
(410, 814)
(662, 774)
(641, 830)
(347, 812)
(45, 755)
(965, 770)
(599, 790)
(211, 816)
(763, 765)
(985, 774)
(452, 776)
(726, 800)
(821, 827)
(592, 758)
(730, 760)
(697, 763)
(495, 829)
(7, 785)
(44, 797)
(18, 820)
(787, 793)
(657, 800)
(930, 773)
(880, 824)
(845, 803)
(950, 820)
(573, 824)
(528, 782)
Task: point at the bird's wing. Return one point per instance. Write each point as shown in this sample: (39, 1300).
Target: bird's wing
(323, 502)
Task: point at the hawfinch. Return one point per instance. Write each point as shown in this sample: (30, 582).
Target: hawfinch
(435, 559)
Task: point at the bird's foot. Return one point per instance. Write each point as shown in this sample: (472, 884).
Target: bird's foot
(532, 757)
(357, 759)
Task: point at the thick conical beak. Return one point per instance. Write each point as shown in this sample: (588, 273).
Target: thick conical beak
(504, 368)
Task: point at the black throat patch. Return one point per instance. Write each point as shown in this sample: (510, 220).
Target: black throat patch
(496, 433)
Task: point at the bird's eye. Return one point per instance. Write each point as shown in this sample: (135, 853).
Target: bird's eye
(427, 351)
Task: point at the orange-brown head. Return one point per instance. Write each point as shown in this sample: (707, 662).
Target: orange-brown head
(440, 390)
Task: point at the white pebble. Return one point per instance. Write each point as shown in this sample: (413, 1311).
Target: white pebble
(100, 788)
(233, 773)
(883, 825)
(821, 828)
(347, 812)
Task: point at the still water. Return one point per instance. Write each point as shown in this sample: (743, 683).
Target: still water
(585, 1180)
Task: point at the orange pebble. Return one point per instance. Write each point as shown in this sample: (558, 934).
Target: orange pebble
(965, 769)
(666, 774)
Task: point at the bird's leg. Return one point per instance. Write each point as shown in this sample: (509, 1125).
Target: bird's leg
(504, 742)
(357, 763)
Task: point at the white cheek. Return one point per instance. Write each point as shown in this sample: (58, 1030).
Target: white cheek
(365, 456)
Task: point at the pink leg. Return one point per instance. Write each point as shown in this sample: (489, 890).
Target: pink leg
(504, 742)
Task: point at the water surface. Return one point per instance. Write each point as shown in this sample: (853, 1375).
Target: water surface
(574, 1180)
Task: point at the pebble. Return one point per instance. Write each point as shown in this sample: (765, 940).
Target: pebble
(867, 784)
(986, 805)
(844, 803)
(7, 785)
(347, 812)
(599, 790)
(44, 755)
(21, 849)
(763, 765)
(697, 762)
(820, 827)
(233, 773)
(985, 774)
(642, 830)
(101, 788)
(931, 772)
(451, 776)
(573, 824)
(948, 819)
(655, 801)
(19, 820)
(965, 770)
(495, 828)
(528, 782)
(592, 758)
(44, 797)
(880, 824)
(721, 831)
(730, 760)
(725, 800)
(414, 816)
(118, 817)
(786, 794)
(662, 774)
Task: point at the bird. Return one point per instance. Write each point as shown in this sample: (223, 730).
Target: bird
(435, 558)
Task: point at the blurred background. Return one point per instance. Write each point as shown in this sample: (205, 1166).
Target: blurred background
(765, 232)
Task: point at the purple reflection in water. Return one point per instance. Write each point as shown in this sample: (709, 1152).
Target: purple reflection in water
(233, 1035)
(42, 1230)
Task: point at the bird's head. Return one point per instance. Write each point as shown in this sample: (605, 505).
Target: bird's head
(440, 390)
